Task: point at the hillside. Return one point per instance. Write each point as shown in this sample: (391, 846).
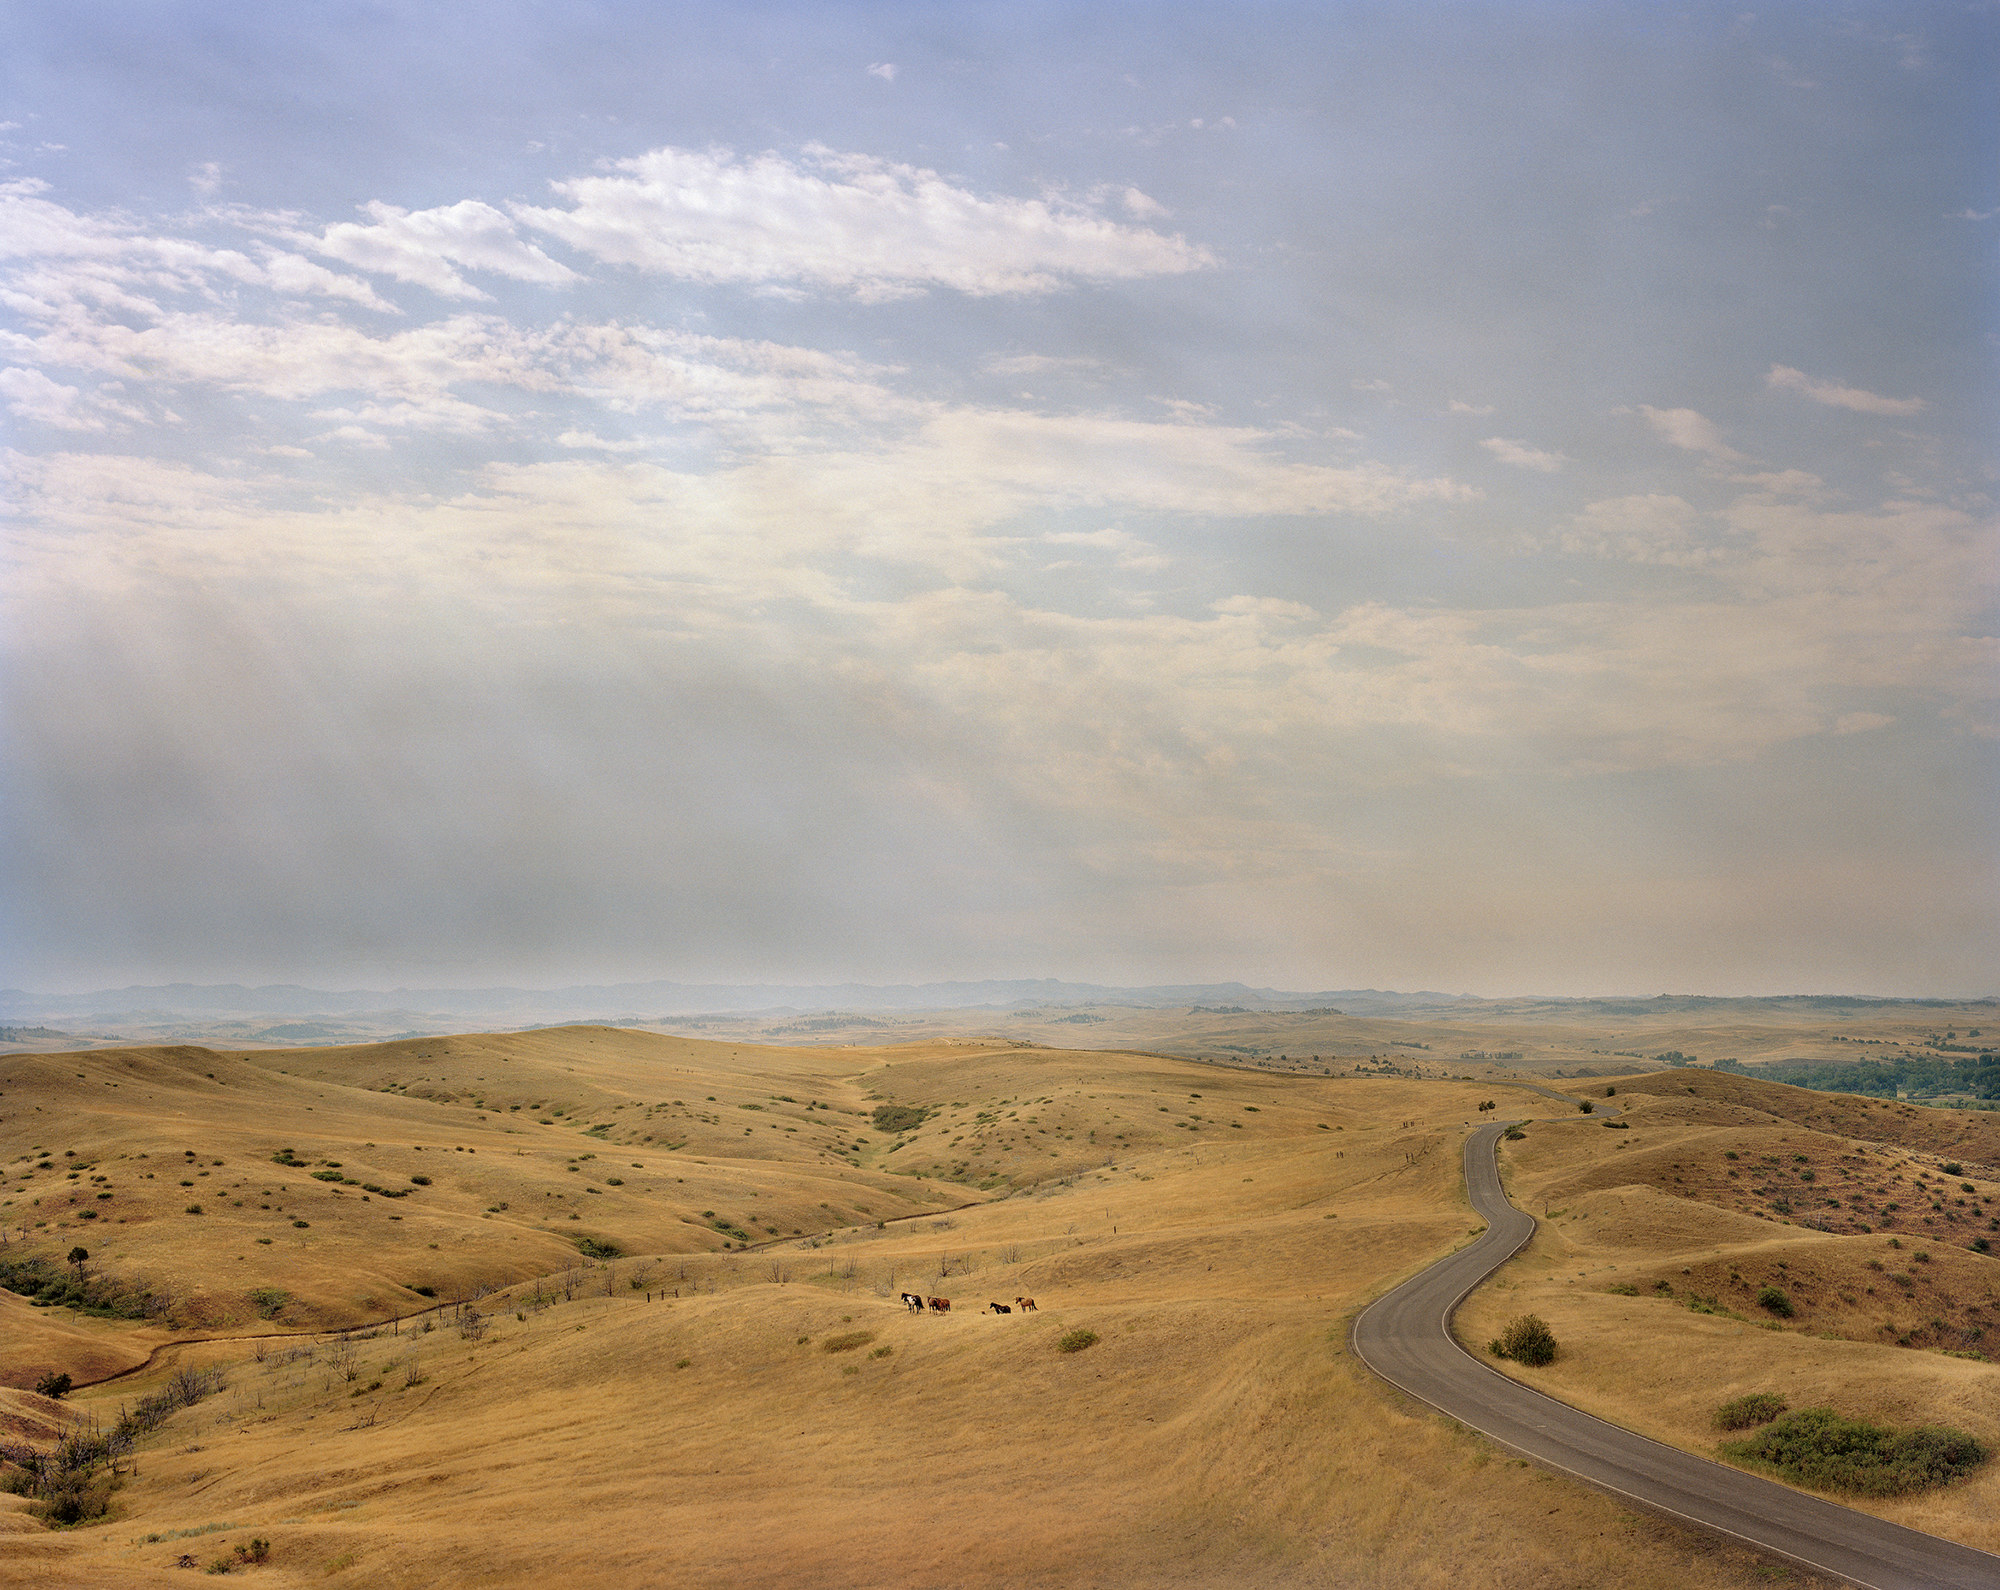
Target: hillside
(733, 1417)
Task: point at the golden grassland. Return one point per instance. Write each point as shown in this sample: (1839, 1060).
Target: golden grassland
(675, 1414)
(1650, 1262)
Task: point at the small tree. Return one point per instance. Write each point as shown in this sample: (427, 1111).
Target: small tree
(56, 1385)
(1527, 1340)
(77, 1257)
(1586, 1107)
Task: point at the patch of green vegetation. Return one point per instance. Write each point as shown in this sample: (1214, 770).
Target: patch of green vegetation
(597, 1247)
(899, 1117)
(1816, 1447)
(1740, 1413)
(846, 1341)
(269, 1300)
(1773, 1300)
(1075, 1341)
(1527, 1340)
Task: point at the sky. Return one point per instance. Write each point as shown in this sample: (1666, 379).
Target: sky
(1487, 497)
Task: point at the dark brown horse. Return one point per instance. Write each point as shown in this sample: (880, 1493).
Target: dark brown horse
(940, 1305)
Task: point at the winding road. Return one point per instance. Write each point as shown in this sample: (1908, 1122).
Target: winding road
(1405, 1337)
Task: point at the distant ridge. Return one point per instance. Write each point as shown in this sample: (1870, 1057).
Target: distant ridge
(665, 998)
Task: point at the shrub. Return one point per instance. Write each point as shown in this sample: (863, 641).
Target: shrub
(597, 1248)
(1514, 1134)
(420, 1181)
(1527, 1340)
(425, 1291)
(846, 1341)
(1075, 1341)
(56, 1385)
(1815, 1446)
(1740, 1413)
(1586, 1106)
(1773, 1299)
(1953, 1168)
(899, 1117)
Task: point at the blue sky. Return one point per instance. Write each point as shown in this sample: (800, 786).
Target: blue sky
(1485, 497)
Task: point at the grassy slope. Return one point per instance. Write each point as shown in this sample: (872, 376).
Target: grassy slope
(1216, 1433)
(1655, 1204)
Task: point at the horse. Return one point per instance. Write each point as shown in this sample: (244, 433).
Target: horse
(1000, 1308)
(913, 1303)
(940, 1305)
(1026, 1305)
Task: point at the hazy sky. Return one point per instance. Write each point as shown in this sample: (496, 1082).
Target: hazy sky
(1494, 497)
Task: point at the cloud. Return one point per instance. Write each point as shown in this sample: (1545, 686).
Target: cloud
(30, 395)
(422, 246)
(1456, 407)
(1653, 527)
(847, 223)
(886, 70)
(1522, 456)
(1784, 378)
(1686, 429)
(206, 178)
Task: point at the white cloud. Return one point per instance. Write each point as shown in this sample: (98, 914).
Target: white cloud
(1456, 407)
(30, 395)
(1654, 527)
(423, 246)
(206, 178)
(1144, 207)
(886, 70)
(1686, 429)
(1522, 456)
(849, 223)
(1784, 378)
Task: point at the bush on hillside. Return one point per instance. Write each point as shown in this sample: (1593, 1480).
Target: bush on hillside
(1740, 1413)
(1075, 1341)
(1527, 1340)
(1816, 1447)
(1774, 1300)
(899, 1117)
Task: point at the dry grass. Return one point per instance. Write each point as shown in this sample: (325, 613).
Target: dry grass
(694, 1429)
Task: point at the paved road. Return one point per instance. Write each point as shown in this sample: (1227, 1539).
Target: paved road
(1405, 1337)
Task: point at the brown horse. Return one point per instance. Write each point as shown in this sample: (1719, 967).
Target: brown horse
(1000, 1308)
(1026, 1305)
(940, 1305)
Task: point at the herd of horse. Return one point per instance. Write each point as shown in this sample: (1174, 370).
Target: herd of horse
(942, 1305)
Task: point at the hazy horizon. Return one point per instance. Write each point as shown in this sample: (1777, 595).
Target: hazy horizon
(1432, 496)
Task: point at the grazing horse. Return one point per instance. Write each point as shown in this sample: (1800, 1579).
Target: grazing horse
(1026, 1305)
(1000, 1308)
(913, 1303)
(940, 1305)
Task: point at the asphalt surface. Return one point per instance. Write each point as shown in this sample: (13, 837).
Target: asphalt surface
(1405, 1337)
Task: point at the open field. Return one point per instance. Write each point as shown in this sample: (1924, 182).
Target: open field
(679, 1411)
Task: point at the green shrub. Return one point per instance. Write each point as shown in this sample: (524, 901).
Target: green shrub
(597, 1247)
(1740, 1413)
(1527, 1340)
(269, 1300)
(1586, 1106)
(846, 1341)
(56, 1385)
(899, 1117)
(1776, 1302)
(1075, 1341)
(1816, 1447)
(420, 1180)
